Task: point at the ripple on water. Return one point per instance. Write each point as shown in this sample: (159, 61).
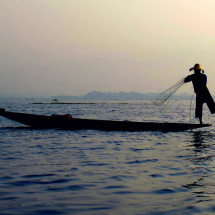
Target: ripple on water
(67, 188)
(38, 176)
(142, 161)
(140, 149)
(37, 182)
(166, 191)
(156, 175)
(115, 187)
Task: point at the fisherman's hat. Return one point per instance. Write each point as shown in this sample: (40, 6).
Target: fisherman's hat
(196, 66)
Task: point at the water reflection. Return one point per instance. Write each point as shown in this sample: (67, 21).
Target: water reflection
(201, 142)
(201, 159)
(198, 138)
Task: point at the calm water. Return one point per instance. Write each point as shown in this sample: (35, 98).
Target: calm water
(107, 173)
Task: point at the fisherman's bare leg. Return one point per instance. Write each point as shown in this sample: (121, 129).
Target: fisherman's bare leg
(199, 107)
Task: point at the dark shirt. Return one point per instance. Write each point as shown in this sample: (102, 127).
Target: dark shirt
(199, 81)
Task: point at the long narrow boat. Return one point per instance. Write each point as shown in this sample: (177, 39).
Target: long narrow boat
(68, 122)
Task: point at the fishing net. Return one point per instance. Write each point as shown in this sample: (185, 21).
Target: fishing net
(164, 96)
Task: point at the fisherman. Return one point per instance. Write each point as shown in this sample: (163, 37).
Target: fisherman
(199, 80)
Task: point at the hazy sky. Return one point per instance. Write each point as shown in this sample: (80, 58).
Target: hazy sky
(55, 47)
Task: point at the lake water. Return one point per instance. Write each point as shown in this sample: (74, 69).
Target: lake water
(107, 173)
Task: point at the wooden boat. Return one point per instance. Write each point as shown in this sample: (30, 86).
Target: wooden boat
(68, 122)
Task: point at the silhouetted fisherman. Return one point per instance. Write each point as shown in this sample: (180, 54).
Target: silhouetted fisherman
(199, 80)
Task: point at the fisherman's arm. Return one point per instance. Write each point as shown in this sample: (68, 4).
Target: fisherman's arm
(188, 79)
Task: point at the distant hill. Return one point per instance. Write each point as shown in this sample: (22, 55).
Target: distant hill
(97, 95)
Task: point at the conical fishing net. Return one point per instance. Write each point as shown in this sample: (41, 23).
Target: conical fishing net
(164, 96)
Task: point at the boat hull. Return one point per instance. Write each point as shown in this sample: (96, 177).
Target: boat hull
(67, 122)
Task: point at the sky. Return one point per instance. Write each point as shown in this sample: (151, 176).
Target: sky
(72, 47)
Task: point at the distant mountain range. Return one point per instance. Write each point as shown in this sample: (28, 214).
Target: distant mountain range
(96, 95)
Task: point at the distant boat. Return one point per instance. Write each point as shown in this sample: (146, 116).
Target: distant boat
(68, 122)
